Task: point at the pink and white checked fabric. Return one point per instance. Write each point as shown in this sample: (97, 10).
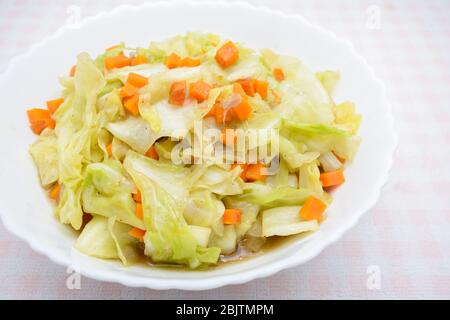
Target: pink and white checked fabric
(405, 237)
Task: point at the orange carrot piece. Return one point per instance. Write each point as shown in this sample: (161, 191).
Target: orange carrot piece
(137, 196)
(72, 71)
(152, 153)
(53, 105)
(139, 59)
(278, 74)
(177, 93)
(172, 61)
(39, 126)
(199, 90)
(222, 116)
(228, 136)
(332, 178)
(54, 192)
(243, 110)
(249, 86)
(189, 62)
(254, 172)
(109, 149)
(237, 88)
(227, 55)
(211, 112)
(139, 211)
(37, 114)
(131, 104)
(137, 233)
(231, 216)
(128, 90)
(118, 61)
(40, 119)
(312, 209)
(261, 88)
(137, 80)
(243, 167)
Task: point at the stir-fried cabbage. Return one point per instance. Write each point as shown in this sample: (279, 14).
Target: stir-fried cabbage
(138, 142)
(168, 237)
(107, 192)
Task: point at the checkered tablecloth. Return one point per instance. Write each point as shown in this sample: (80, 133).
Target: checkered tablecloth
(400, 249)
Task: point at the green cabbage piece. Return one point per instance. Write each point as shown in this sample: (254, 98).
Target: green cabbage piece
(192, 44)
(110, 107)
(344, 148)
(227, 241)
(330, 162)
(68, 85)
(303, 97)
(346, 117)
(329, 80)
(205, 210)
(108, 239)
(164, 148)
(249, 213)
(220, 180)
(135, 132)
(107, 192)
(168, 237)
(248, 66)
(300, 81)
(293, 154)
(76, 133)
(119, 149)
(260, 105)
(269, 197)
(208, 256)
(168, 121)
(322, 138)
(128, 247)
(309, 178)
(110, 86)
(103, 139)
(263, 127)
(96, 240)
(281, 177)
(201, 235)
(284, 221)
(314, 129)
(45, 155)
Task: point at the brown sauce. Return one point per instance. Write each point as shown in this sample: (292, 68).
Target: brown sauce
(241, 253)
(271, 244)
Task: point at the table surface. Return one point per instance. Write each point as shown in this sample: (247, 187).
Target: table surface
(400, 248)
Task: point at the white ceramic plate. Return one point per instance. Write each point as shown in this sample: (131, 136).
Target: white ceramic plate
(31, 79)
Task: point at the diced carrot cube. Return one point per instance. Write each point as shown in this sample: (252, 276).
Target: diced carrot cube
(227, 55)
